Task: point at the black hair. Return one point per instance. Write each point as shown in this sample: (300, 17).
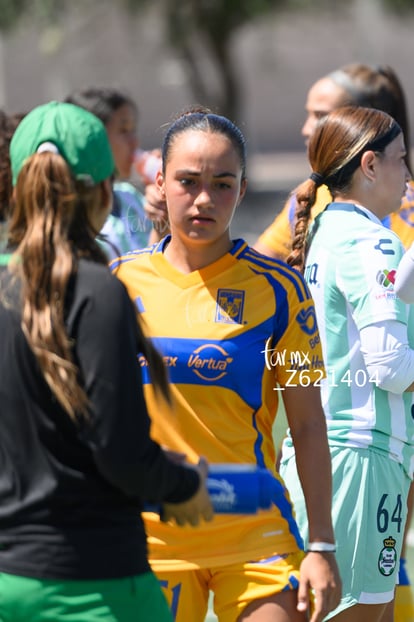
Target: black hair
(204, 120)
(101, 101)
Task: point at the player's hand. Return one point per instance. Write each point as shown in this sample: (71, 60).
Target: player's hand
(196, 508)
(178, 457)
(155, 205)
(319, 573)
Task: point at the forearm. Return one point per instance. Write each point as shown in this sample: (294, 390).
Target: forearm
(387, 355)
(117, 430)
(404, 279)
(308, 429)
(313, 463)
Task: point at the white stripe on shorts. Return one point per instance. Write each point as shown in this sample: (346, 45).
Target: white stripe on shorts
(371, 598)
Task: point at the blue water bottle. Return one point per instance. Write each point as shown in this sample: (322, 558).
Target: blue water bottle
(239, 489)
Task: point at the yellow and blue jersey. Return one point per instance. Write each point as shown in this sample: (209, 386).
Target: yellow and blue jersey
(232, 335)
(402, 221)
(279, 234)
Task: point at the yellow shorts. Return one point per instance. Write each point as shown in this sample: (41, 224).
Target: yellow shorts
(234, 586)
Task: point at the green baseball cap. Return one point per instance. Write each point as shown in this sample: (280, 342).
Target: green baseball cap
(73, 132)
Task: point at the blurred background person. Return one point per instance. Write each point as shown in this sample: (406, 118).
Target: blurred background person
(127, 226)
(355, 84)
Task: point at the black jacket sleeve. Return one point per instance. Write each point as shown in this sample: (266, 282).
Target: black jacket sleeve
(102, 322)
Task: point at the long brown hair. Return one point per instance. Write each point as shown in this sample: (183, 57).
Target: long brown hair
(49, 226)
(334, 153)
(375, 86)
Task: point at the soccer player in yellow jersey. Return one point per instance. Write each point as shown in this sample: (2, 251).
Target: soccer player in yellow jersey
(236, 331)
(372, 87)
(360, 85)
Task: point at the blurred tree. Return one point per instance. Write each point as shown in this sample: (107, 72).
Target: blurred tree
(201, 31)
(399, 6)
(204, 30)
(42, 10)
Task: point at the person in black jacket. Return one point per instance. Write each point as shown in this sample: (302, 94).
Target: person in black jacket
(76, 458)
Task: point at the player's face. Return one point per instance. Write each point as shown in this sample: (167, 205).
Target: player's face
(393, 176)
(323, 97)
(202, 185)
(122, 134)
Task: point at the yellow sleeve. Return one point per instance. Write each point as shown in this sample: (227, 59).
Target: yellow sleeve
(302, 362)
(402, 222)
(277, 238)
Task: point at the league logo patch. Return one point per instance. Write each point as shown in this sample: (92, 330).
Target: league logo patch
(387, 560)
(386, 278)
(306, 318)
(229, 306)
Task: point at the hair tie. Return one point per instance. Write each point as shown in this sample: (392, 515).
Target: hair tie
(317, 178)
(47, 146)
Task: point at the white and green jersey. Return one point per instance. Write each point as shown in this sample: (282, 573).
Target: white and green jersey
(350, 270)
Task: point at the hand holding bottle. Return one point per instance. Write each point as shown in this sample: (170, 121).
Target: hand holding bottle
(147, 164)
(155, 208)
(194, 509)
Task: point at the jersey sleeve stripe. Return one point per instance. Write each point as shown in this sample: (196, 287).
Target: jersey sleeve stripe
(283, 270)
(131, 256)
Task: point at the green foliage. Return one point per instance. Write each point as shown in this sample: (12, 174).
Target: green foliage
(47, 10)
(133, 6)
(10, 12)
(399, 6)
(42, 11)
(196, 29)
(219, 16)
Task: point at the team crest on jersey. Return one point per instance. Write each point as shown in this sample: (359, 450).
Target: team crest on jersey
(229, 306)
(306, 318)
(387, 560)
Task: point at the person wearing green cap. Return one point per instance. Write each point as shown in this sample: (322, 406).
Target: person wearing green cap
(77, 461)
